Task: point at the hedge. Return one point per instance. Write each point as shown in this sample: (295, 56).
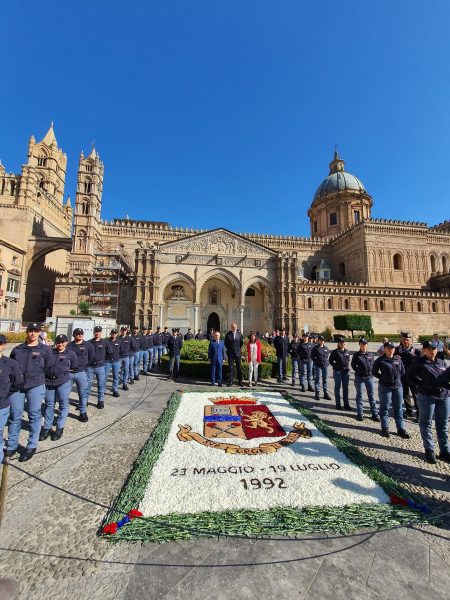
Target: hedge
(200, 369)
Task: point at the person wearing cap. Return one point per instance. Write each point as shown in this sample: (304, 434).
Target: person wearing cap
(33, 358)
(85, 354)
(165, 340)
(144, 350)
(294, 353)
(362, 363)
(407, 353)
(431, 376)
(380, 350)
(281, 345)
(340, 361)
(113, 360)
(58, 386)
(320, 357)
(11, 379)
(188, 335)
(157, 346)
(175, 343)
(253, 358)
(135, 341)
(437, 343)
(388, 369)
(305, 363)
(97, 366)
(150, 348)
(124, 357)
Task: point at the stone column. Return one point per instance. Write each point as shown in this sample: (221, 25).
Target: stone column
(241, 320)
(195, 318)
(160, 307)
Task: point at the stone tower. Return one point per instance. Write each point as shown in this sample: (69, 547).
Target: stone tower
(340, 201)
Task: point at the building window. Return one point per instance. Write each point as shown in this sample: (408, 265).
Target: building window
(314, 273)
(398, 262)
(12, 286)
(346, 304)
(12, 187)
(366, 305)
(433, 307)
(87, 186)
(381, 304)
(250, 292)
(329, 303)
(433, 263)
(419, 307)
(88, 168)
(333, 218)
(444, 264)
(402, 306)
(309, 303)
(341, 269)
(42, 161)
(357, 216)
(315, 226)
(326, 275)
(14, 260)
(257, 263)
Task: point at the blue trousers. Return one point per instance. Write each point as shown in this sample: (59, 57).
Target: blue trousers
(60, 394)
(137, 363)
(360, 383)
(125, 370)
(174, 366)
(282, 367)
(150, 359)
(320, 372)
(81, 381)
(306, 365)
(429, 406)
(341, 378)
(295, 369)
(4, 416)
(115, 366)
(216, 372)
(99, 373)
(145, 357)
(387, 396)
(157, 353)
(34, 396)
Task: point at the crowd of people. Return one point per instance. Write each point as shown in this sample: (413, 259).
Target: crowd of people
(415, 383)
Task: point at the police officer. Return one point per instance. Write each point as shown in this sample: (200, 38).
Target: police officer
(157, 346)
(113, 360)
(340, 361)
(362, 363)
(388, 369)
(406, 351)
(165, 340)
(320, 357)
(85, 354)
(125, 357)
(150, 350)
(97, 365)
(33, 358)
(281, 345)
(10, 379)
(136, 348)
(131, 368)
(295, 358)
(188, 335)
(305, 363)
(431, 377)
(199, 335)
(175, 344)
(58, 386)
(144, 351)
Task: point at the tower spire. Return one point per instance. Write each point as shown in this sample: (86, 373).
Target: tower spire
(337, 164)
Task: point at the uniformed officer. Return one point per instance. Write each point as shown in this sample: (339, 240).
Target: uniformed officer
(320, 357)
(388, 369)
(295, 358)
(135, 342)
(188, 335)
(362, 363)
(58, 386)
(85, 354)
(305, 363)
(11, 379)
(281, 345)
(144, 351)
(33, 358)
(165, 340)
(125, 357)
(199, 335)
(113, 360)
(97, 365)
(150, 350)
(406, 351)
(175, 344)
(432, 379)
(157, 346)
(340, 361)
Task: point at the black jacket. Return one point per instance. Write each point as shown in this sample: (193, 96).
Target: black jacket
(174, 345)
(428, 376)
(33, 360)
(389, 371)
(294, 350)
(305, 351)
(362, 363)
(84, 353)
(340, 360)
(113, 350)
(99, 358)
(320, 356)
(59, 370)
(126, 346)
(11, 379)
(281, 345)
(233, 344)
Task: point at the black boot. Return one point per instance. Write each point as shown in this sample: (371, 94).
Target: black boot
(403, 434)
(302, 388)
(326, 396)
(116, 394)
(56, 435)
(359, 417)
(310, 388)
(27, 454)
(376, 418)
(100, 404)
(430, 457)
(44, 434)
(84, 418)
(316, 397)
(385, 433)
(445, 456)
(125, 387)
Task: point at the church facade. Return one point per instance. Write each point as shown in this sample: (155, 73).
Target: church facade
(150, 273)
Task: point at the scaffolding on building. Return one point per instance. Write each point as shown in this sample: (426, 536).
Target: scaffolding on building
(113, 269)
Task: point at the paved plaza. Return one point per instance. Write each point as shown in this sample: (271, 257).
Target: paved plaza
(48, 540)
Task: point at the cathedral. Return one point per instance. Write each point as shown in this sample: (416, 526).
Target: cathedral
(148, 273)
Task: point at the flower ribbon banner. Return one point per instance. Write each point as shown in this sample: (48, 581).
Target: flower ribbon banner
(252, 464)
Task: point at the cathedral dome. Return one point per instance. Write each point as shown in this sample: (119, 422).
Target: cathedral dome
(339, 181)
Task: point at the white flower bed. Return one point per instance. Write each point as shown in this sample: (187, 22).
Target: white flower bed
(190, 477)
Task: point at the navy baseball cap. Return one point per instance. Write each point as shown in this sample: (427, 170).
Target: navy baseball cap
(61, 338)
(77, 331)
(340, 340)
(388, 345)
(427, 344)
(2, 339)
(362, 341)
(98, 328)
(34, 327)
(320, 337)
(113, 331)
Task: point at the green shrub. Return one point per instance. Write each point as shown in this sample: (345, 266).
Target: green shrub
(268, 353)
(200, 369)
(15, 338)
(378, 337)
(328, 334)
(195, 350)
(353, 323)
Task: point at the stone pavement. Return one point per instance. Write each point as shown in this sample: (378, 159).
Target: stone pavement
(48, 540)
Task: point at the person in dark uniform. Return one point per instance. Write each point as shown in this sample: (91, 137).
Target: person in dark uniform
(233, 343)
(85, 355)
(432, 378)
(175, 344)
(340, 361)
(388, 369)
(10, 379)
(33, 358)
(294, 351)
(144, 351)
(131, 350)
(97, 366)
(199, 335)
(281, 345)
(125, 357)
(157, 346)
(136, 346)
(188, 335)
(216, 357)
(150, 349)
(362, 363)
(113, 360)
(319, 356)
(58, 386)
(165, 340)
(406, 351)
(305, 363)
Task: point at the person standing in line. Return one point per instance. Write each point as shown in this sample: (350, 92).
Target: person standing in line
(199, 335)
(432, 378)
(380, 350)
(85, 355)
(58, 386)
(131, 368)
(362, 363)
(388, 369)
(175, 343)
(113, 360)
(340, 361)
(144, 351)
(407, 353)
(294, 351)
(281, 345)
(253, 358)
(320, 356)
(136, 348)
(437, 343)
(11, 379)
(97, 366)
(233, 344)
(305, 363)
(150, 351)
(216, 357)
(125, 357)
(188, 335)
(33, 358)
(157, 346)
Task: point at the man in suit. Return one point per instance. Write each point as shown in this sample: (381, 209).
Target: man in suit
(216, 356)
(233, 345)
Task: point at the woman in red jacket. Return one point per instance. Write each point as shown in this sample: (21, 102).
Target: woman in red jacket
(253, 357)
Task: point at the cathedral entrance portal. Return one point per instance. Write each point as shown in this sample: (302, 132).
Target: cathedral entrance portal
(213, 322)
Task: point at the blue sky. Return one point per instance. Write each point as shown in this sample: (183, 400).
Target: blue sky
(225, 113)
